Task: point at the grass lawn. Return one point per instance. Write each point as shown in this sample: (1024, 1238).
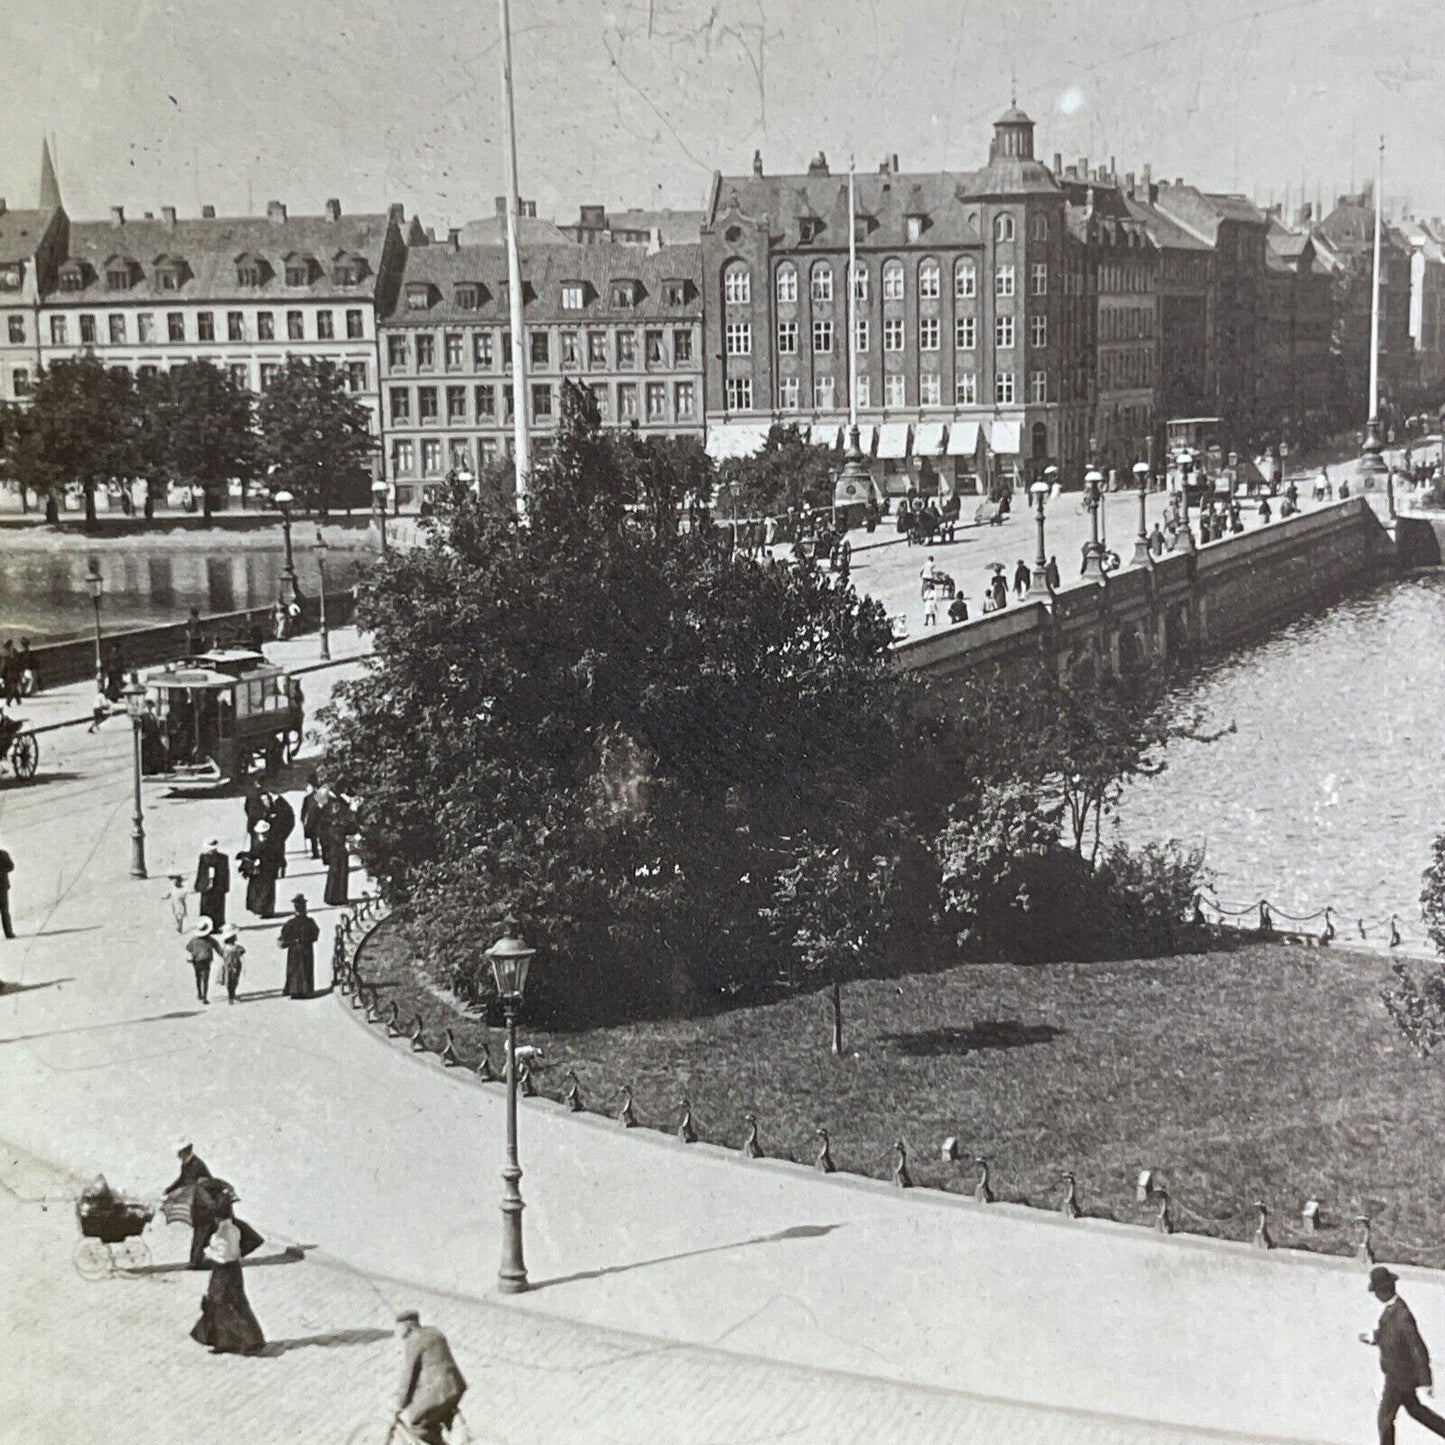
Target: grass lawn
(1264, 1071)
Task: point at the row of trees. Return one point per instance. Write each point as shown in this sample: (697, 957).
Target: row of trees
(88, 426)
(694, 775)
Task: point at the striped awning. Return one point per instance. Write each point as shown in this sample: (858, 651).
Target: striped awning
(928, 439)
(893, 440)
(962, 438)
(736, 439)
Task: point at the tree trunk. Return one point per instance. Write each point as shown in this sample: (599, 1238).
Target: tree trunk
(206, 505)
(90, 506)
(835, 999)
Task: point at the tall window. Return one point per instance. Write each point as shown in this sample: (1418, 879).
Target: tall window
(626, 400)
(431, 457)
(965, 278)
(57, 331)
(176, 325)
(597, 349)
(397, 355)
(1003, 279)
(787, 338)
(205, 326)
(145, 327)
(87, 330)
(860, 283)
(355, 327)
(928, 333)
(573, 296)
(865, 392)
(682, 346)
(356, 379)
(426, 403)
(1003, 332)
(265, 326)
(541, 349)
(928, 280)
(571, 349)
(541, 401)
(456, 404)
(860, 334)
(1038, 332)
(405, 454)
(627, 347)
(267, 376)
(483, 356)
(296, 329)
(930, 389)
(965, 389)
(823, 392)
(117, 328)
(16, 330)
(657, 401)
(484, 398)
(787, 393)
(1041, 227)
(1038, 386)
(1039, 278)
(1003, 388)
(965, 333)
(737, 285)
(240, 375)
(893, 333)
(1003, 228)
(684, 399)
(822, 335)
(325, 326)
(653, 348)
(740, 393)
(426, 351)
(822, 282)
(738, 338)
(895, 391)
(599, 391)
(893, 280)
(787, 284)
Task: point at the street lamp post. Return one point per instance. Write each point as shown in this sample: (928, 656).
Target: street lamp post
(96, 583)
(1142, 555)
(1039, 581)
(135, 704)
(378, 494)
(283, 502)
(320, 550)
(1094, 552)
(510, 959)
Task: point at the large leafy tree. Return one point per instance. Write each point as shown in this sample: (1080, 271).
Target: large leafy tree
(80, 429)
(315, 440)
(206, 436)
(788, 474)
(617, 731)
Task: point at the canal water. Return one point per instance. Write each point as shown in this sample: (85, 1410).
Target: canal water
(43, 594)
(1332, 789)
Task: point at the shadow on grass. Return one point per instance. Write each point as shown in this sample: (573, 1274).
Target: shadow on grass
(336, 1339)
(987, 1034)
(797, 1231)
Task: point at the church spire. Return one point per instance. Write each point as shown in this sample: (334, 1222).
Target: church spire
(49, 186)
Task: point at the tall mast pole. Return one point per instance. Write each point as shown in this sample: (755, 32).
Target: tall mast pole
(853, 490)
(852, 302)
(521, 445)
(1372, 464)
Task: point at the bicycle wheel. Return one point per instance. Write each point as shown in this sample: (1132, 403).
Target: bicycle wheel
(92, 1260)
(133, 1254)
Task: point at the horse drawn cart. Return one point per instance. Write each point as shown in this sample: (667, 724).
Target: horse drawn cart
(19, 746)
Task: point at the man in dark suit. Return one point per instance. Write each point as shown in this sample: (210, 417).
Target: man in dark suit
(7, 867)
(431, 1384)
(213, 882)
(1404, 1360)
(282, 818)
(193, 1171)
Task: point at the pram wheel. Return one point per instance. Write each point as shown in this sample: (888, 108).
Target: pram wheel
(133, 1253)
(92, 1260)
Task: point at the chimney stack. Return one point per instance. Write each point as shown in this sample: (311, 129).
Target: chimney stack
(168, 215)
(1058, 163)
(208, 213)
(1084, 167)
(1129, 183)
(275, 213)
(757, 163)
(818, 166)
(333, 209)
(454, 238)
(117, 215)
(1148, 175)
(501, 205)
(396, 212)
(1178, 180)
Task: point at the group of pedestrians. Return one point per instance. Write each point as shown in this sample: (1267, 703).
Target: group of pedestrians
(18, 676)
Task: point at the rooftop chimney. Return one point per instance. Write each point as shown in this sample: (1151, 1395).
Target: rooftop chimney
(117, 215)
(501, 205)
(1178, 180)
(893, 160)
(1148, 175)
(757, 163)
(454, 238)
(208, 213)
(1058, 163)
(818, 166)
(275, 212)
(1112, 169)
(333, 209)
(1084, 167)
(150, 215)
(396, 212)
(1129, 183)
(168, 215)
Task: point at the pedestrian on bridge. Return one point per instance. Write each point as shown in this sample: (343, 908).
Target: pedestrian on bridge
(1404, 1360)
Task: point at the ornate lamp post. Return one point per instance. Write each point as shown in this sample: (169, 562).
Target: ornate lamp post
(1142, 557)
(378, 495)
(135, 704)
(321, 549)
(465, 477)
(96, 585)
(1094, 552)
(1039, 581)
(510, 958)
(283, 502)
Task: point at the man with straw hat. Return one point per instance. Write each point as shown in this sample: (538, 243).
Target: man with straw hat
(200, 950)
(1404, 1360)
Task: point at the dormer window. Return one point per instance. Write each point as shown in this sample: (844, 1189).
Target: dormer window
(675, 293)
(808, 228)
(348, 270)
(574, 295)
(418, 296)
(299, 270)
(915, 225)
(119, 273)
(625, 294)
(467, 296)
(72, 276)
(170, 273)
(250, 271)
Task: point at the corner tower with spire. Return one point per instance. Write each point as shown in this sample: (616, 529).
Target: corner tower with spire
(49, 186)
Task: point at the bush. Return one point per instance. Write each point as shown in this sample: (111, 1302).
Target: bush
(1145, 896)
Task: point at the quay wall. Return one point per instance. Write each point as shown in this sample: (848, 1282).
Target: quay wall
(1181, 607)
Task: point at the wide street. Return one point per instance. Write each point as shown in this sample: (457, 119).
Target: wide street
(681, 1290)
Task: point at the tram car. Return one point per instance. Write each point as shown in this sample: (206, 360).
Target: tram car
(214, 718)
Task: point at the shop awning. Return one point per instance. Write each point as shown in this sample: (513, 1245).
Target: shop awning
(1004, 437)
(736, 439)
(893, 440)
(928, 439)
(824, 434)
(867, 431)
(962, 438)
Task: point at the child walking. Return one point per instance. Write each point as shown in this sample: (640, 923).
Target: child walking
(177, 898)
(231, 955)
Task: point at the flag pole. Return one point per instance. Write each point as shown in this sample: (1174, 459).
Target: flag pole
(1371, 462)
(521, 440)
(854, 487)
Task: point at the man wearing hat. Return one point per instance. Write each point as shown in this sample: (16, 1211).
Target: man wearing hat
(298, 937)
(431, 1384)
(193, 1171)
(258, 866)
(213, 882)
(200, 949)
(231, 953)
(1404, 1360)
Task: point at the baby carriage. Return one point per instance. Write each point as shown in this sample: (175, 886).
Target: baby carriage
(110, 1230)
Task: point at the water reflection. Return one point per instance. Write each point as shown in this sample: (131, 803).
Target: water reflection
(1331, 791)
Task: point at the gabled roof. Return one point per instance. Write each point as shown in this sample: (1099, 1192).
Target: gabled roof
(21, 232)
(1203, 212)
(1164, 231)
(211, 248)
(545, 269)
(531, 231)
(886, 199)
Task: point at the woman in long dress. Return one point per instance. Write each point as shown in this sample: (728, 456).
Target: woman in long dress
(226, 1323)
(335, 852)
(298, 937)
(259, 868)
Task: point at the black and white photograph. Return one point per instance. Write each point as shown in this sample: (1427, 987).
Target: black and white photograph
(722, 722)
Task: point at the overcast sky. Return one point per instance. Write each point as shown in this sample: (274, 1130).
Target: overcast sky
(234, 102)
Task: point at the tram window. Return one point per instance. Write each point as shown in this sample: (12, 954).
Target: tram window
(255, 696)
(225, 715)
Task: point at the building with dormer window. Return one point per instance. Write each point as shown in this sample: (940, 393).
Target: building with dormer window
(32, 248)
(625, 322)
